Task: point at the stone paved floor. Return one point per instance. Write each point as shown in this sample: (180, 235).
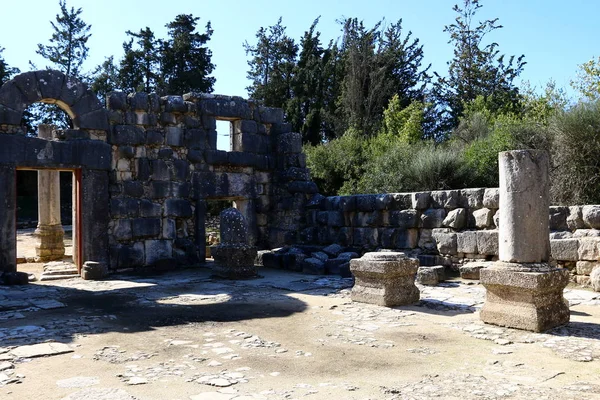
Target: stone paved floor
(184, 335)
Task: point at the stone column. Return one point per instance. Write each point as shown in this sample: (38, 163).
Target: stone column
(523, 290)
(8, 219)
(49, 230)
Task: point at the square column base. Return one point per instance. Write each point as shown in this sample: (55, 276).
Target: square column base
(525, 296)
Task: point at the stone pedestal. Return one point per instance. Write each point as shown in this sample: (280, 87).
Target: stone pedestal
(523, 290)
(49, 230)
(234, 257)
(385, 279)
(525, 298)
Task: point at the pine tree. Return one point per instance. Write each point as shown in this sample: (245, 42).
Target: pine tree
(476, 69)
(68, 44)
(105, 79)
(272, 65)
(6, 71)
(185, 60)
(139, 68)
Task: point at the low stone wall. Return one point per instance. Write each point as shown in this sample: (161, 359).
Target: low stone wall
(445, 227)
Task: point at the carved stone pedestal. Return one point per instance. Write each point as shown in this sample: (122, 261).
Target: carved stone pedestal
(50, 246)
(525, 297)
(385, 279)
(234, 261)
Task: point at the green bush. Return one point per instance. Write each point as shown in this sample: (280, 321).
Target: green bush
(576, 155)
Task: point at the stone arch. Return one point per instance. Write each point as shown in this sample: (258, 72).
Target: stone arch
(52, 87)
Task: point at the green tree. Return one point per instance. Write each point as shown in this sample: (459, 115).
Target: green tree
(185, 59)
(67, 48)
(6, 71)
(379, 63)
(405, 123)
(105, 79)
(271, 66)
(139, 68)
(476, 69)
(588, 79)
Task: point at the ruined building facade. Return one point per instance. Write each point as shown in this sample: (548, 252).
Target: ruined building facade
(145, 166)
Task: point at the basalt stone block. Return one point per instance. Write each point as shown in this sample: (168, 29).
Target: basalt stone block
(338, 266)
(564, 249)
(471, 198)
(335, 219)
(10, 278)
(133, 188)
(122, 229)
(575, 218)
(270, 115)
(386, 279)
(145, 227)
(558, 218)
(446, 242)
(591, 216)
(472, 270)
(174, 104)
(383, 201)
(433, 218)
(404, 219)
(215, 157)
(491, 198)
(179, 208)
(124, 207)
(131, 255)
(466, 242)
(347, 203)
(126, 135)
(50, 83)
(154, 137)
(420, 200)
(333, 250)
(302, 187)
(487, 242)
(366, 203)
(149, 209)
(195, 138)
(445, 199)
(525, 298)
(8, 116)
(96, 120)
(157, 251)
(95, 271)
(174, 136)
(165, 154)
(366, 237)
(407, 238)
(138, 101)
(456, 219)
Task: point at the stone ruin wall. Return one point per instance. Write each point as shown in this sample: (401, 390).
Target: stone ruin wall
(445, 227)
(149, 164)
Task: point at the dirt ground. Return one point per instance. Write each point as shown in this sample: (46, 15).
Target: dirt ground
(184, 335)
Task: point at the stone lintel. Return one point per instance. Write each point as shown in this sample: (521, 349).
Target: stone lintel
(524, 296)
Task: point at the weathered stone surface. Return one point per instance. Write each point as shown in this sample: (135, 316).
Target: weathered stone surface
(591, 216)
(586, 267)
(333, 250)
(445, 199)
(313, 266)
(471, 198)
(433, 218)
(404, 219)
(446, 242)
(575, 218)
(385, 279)
(466, 242)
(472, 270)
(41, 350)
(595, 279)
(491, 198)
(564, 249)
(525, 298)
(420, 200)
(92, 270)
(524, 206)
(234, 261)
(456, 219)
(487, 242)
(427, 276)
(483, 218)
(588, 248)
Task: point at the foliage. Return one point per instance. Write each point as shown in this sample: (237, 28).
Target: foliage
(68, 44)
(185, 59)
(6, 71)
(271, 66)
(105, 79)
(139, 68)
(406, 123)
(476, 70)
(588, 79)
(576, 155)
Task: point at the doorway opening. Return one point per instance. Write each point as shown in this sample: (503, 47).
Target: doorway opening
(212, 220)
(48, 222)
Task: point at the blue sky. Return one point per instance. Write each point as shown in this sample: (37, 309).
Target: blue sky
(555, 36)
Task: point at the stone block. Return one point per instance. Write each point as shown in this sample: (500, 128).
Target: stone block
(483, 218)
(420, 200)
(333, 250)
(126, 135)
(92, 270)
(145, 227)
(124, 207)
(366, 237)
(433, 218)
(174, 136)
(531, 301)
(456, 219)
(157, 251)
(446, 242)
(366, 202)
(595, 279)
(407, 238)
(403, 219)
(471, 198)
(564, 249)
(179, 208)
(472, 270)
(233, 261)
(591, 216)
(588, 249)
(427, 276)
(313, 266)
(586, 267)
(154, 137)
(122, 229)
(445, 199)
(558, 218)
(401, 201)
(575, 218)
(133, 189)
(338, 266)
(270, 115)
(487, 242)
(491, 198)
(386, 279)
(466, 242)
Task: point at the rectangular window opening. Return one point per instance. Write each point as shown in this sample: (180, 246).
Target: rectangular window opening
(224, 135)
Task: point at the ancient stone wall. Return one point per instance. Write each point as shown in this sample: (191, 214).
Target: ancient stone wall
(445, 227)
